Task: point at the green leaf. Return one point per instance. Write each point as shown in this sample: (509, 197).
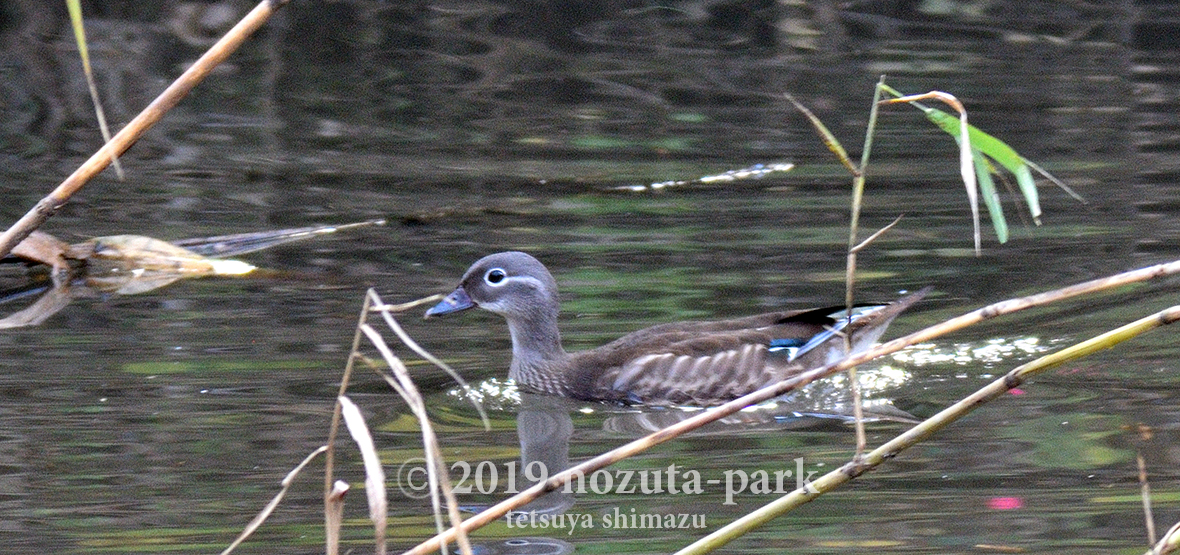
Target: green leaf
(1024, 178)
(829, 139)
(993, 147)
(75, 9)
(996, 150)
(987, 189)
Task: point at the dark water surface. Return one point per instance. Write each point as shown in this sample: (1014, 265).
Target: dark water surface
(163, 422)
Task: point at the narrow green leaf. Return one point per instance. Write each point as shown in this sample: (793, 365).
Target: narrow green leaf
(75, 9)
(829, 139)
(987, 189)
(1054, 180)
(996, 150)
(1024, 179)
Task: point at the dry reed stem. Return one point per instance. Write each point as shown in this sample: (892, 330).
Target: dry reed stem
(405, 338)
(334, 515)
(991, 311)
(858, 191)
(827, 137)
(374, 473)
(440, 480)
(75, 10)
(330, 507)
(150, 115)
(1145, 495)
(404, 386)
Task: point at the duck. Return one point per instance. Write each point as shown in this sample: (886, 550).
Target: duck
(696, 363)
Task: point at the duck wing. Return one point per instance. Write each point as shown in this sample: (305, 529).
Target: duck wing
(692, 362)
(706, 363)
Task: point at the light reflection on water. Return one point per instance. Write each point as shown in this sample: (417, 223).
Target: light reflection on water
(989, 352)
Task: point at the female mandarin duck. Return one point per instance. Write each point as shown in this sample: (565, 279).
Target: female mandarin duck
(698, 363)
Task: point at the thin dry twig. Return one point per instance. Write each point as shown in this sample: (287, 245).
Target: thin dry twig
(859, 247)
(404, 386)
(1145, 493)
(853, 379)
(150, 115)
(335, 512)
(270, 507)
(409, 342)
(1145, 434)
(827, 137)
(330, 506)
(75, 9)
(857, 201)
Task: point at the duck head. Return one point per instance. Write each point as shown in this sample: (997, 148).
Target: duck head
(512, 284)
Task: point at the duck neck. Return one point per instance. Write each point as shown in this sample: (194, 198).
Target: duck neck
(537, 355)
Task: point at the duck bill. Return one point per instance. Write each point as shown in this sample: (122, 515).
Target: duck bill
(457, 301)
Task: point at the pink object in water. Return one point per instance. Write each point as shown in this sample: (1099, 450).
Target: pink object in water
(1004, 503)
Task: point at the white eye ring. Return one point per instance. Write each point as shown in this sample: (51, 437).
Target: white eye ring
(495, 277)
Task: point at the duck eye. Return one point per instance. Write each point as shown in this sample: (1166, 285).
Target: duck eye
(495, 276)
